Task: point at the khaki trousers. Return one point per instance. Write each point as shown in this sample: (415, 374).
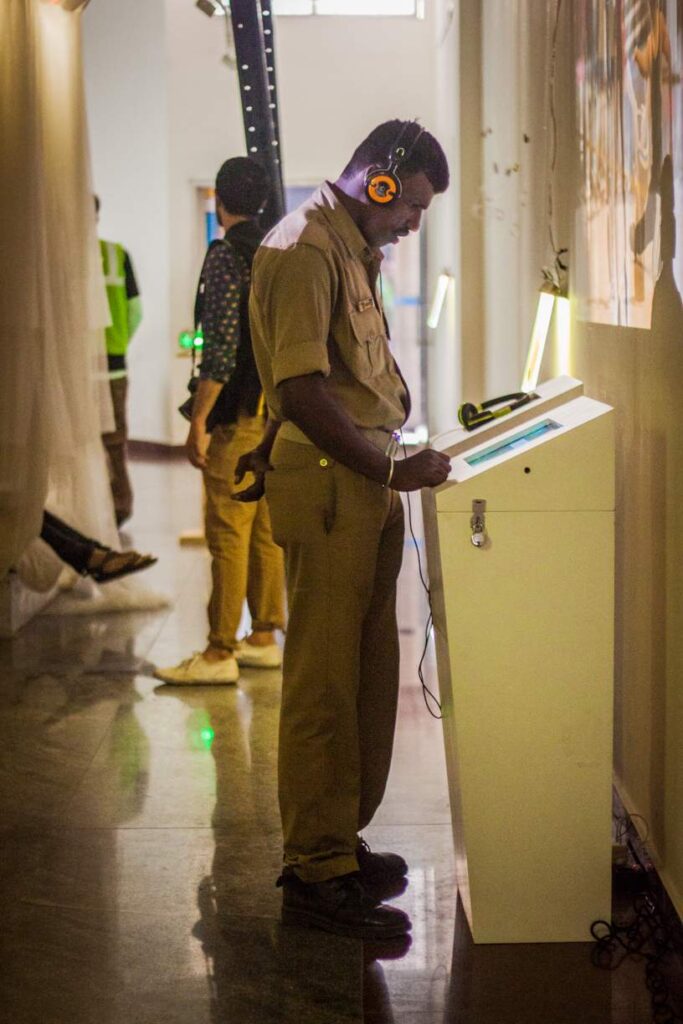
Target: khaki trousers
(343, 540)
(115, 444)
(244, 560)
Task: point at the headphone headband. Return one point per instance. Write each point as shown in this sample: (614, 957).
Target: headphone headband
(398, 153)
(383, 184)
(472, 416)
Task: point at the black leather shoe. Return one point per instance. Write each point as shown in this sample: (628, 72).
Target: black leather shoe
(379, 867)
(340, 905)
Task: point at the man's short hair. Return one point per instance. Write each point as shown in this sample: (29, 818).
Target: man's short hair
(426, 155)
(242, 186)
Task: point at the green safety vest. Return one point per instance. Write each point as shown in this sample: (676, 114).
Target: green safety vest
(113, 256)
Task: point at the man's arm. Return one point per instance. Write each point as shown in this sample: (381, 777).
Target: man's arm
(221, 326)
(257, 461)
(308, 402)
(268, 440)
(296, 309)
(197, 443)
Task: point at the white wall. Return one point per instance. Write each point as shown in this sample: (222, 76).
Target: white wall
(513, 201)
(205, 128)
(126, 95)
(444, 363)
(164, 113)
(339, 77)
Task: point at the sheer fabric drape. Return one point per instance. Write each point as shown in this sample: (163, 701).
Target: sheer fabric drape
(54, 398)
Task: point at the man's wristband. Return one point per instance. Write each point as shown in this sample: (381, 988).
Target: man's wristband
(391, 471)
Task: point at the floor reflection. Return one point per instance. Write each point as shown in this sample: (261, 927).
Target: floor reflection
(256, 969)
(525, 984)
(507, 984)
(75, 645)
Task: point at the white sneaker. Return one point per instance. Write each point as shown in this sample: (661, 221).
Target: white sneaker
(197, 671)
(249, 656)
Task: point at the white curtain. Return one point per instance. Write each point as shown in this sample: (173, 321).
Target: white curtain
(54, 398)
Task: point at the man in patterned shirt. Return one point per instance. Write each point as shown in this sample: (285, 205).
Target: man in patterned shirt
(245, 560)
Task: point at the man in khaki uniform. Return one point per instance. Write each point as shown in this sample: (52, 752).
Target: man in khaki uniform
(321, 346)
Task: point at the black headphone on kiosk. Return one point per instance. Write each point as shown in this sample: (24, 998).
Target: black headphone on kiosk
(383, 184)
(472, 416)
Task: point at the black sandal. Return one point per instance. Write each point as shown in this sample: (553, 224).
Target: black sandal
(132, 562)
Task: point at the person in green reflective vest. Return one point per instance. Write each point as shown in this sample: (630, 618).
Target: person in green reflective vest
(125, 308)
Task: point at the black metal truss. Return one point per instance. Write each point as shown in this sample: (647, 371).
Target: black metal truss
(253, 30)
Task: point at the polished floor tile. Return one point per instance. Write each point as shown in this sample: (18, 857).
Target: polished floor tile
(417, 982)
(526, 984)
(64, 964)
(416, 791)
(140, 836)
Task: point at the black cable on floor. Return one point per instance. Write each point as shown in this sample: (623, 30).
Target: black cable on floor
(651, 936)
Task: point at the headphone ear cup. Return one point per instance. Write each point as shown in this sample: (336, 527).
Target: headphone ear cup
(472, 416)
(467, 412)
(382, 187)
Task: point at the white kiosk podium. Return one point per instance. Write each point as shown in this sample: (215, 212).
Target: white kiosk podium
(520, 547)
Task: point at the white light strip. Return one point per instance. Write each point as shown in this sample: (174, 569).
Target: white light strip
(442, 285)
(539, 335)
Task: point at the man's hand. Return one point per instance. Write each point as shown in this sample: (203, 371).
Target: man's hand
(255, 462)
(198, 438)
(197, 444)
(309, 403)
(428, 468)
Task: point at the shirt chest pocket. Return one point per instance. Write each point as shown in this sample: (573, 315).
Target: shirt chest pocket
(365, 349)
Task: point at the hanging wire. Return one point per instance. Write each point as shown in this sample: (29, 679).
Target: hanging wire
(427, 694)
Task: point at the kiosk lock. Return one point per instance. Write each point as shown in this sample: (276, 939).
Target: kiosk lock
(478, 523)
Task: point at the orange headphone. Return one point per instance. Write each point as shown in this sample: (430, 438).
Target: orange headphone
(383, 184)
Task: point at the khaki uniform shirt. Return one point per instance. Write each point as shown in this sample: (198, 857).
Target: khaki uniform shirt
(315, 308)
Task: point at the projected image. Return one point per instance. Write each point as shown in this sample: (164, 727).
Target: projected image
(629, 61)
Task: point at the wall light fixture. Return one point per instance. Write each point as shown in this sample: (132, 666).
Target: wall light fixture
(444, 284)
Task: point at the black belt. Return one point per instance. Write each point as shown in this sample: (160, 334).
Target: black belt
(116, 362)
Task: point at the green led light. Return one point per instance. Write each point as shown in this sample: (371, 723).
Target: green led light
(185, 339)
(207, 736)
(198, 339)
(200, 735)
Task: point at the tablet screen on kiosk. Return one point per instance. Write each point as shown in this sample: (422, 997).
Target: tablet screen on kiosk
(510, 444)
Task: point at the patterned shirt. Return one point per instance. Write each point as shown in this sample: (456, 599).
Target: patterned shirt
(225, 275)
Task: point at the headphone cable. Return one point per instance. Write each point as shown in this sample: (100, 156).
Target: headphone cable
(427, 694)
